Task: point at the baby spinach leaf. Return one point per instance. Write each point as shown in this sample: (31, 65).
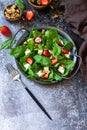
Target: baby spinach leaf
(45, 61)
(49, 44)
(34, 33)
(22, 62)
(39, 47)
(35, 67)
(18, 51)
(68, 46)
(51, 75)
(30, 44)
(57, 77)
(6, 44)
(56, 50)
(31, 73)
(51, 34)
(68, 63)
(66, 73)
(22, 66)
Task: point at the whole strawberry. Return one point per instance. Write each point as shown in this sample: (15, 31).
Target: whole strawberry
(5, 30)
(29, 14)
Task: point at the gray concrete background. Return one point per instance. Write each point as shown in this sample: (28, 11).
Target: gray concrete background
(66, 102)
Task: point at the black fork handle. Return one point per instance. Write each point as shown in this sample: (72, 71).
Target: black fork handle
(36, 100)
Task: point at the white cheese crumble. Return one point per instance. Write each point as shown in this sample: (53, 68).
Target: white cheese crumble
(46, 68)
(68, 55)
(40, 73)
(40, 52)
(26, 66)
(61, 69)
(27, 51)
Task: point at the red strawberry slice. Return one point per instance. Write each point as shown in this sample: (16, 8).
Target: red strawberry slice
(46, 53)
(59, 43)
(44, 2)
(64, 51)
(45, 76)
(54, 61)
(5, 30)
(29, 60)
(29, 15)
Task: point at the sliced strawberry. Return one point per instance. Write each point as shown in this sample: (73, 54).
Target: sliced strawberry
(54, 61)
(29, 60)
(38, 39)
(64, 51)
(45, 76)
(44, 2)
(29, 15)
(46, 53)
(59, 43)
(5, 30)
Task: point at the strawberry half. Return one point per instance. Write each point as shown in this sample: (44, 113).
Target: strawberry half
(59, 43)
(64, 51)
(44, 2)
(46, 53)
(54, 61)
(29, 60)
(45, 76)
(29, 15)
(5, 30)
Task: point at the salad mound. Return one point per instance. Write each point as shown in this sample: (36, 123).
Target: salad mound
(45, 55)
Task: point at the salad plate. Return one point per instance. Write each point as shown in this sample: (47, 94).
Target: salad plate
(46, 55)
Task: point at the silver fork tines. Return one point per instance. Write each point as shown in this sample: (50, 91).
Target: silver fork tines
(13, 72)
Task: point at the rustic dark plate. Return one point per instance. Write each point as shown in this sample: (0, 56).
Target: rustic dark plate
(76, 58)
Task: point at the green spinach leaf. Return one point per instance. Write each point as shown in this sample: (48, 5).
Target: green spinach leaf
(68, 46)
(6, 44)
(18, 51)
(51, 34)
(44, 61)
(30, 44)
(56, 50)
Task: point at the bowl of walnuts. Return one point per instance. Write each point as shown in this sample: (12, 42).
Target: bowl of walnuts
(39, 4)
(12, 12)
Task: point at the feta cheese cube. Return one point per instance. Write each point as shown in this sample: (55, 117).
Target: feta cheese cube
(26, 66)
(46, 70)
(68, 55)
(61, 69)
(40, 73)
(40, 52)
(27, 51)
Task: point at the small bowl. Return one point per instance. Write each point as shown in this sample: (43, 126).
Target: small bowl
(12, 12)
(38, 7)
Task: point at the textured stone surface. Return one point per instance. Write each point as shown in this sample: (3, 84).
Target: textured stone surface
(66, 102)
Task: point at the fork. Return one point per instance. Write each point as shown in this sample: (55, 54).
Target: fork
(15, 75)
